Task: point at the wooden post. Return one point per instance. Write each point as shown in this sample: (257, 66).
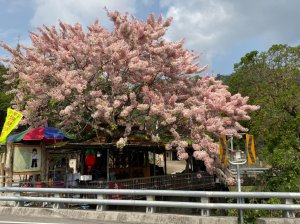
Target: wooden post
(43, 162)
(154, 160)
(9, 164)
(47, 165)
(107, 167)
(165, 162)
(2, 173)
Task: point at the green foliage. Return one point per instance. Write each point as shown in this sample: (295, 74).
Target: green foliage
(4, 98)
(250, 216)
(271, 79)
(223, 78)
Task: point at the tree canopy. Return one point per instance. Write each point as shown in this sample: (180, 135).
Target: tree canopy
(272, 80)
(114, 83)
(4, 97)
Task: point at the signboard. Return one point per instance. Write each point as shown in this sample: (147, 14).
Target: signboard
(27, 158)
(222, 148)
(250, 147)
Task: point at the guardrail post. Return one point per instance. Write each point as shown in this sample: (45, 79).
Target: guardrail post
(205, 212)
(150, 209)
(289, 214)
(101, 207)
(19, 203)
(57, 205)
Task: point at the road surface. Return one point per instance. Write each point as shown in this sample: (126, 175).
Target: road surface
(35, 220)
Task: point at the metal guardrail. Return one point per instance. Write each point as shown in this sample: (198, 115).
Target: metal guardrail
(103, 197)
(188, 181)
(252, 170)
(249, 175)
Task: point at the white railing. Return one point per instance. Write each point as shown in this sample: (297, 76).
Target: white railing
(148, 198)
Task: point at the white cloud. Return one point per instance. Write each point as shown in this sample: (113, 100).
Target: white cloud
(217, 27)
(222, 31)
(24, 16)
(72, 11)
(14, 37)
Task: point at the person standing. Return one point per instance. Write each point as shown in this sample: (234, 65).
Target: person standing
(34, 158)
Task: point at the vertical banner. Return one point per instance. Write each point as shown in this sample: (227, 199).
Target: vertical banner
(12, 119)
(222, 147)
(250, 148)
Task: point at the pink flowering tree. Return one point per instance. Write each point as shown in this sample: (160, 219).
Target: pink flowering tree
(114, 83)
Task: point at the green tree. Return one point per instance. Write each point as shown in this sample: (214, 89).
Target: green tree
(223, 78)
(272, 80)
(4, 98)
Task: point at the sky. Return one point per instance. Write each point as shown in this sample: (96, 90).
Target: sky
(220, 31)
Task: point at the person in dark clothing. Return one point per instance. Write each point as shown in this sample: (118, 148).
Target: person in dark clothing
(34, 157)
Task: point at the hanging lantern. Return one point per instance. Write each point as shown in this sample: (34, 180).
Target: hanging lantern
(90, 159)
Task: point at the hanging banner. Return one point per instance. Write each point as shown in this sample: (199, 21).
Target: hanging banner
(222, 147)
(12, 119)
(250, 148)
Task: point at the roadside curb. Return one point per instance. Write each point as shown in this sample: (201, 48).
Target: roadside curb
(278, 221)
(112, 216)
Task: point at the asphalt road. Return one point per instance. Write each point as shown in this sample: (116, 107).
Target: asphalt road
(35, 220)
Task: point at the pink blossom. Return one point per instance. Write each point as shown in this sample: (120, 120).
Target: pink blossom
(182, 155)
(155, 138)
(116, 103)
(129, 76)
(170, 120)
(121, 143)
(143, 107)
(200, 155)
(168, 146)
(231, 181)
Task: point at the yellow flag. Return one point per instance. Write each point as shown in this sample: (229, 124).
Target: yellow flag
(12, 119)
(250, 148)
(222, 146)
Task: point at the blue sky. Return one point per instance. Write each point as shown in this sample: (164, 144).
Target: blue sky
(221, 31)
